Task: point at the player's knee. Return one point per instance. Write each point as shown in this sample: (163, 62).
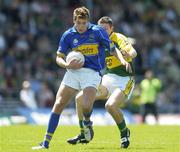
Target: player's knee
(109, 106)
(102, 93)
(105, 93)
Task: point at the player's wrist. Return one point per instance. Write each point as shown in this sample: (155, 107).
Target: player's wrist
(60, 61)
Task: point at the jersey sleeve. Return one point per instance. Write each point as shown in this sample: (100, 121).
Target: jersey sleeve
(123, 43)
(64, 45)
(105, 41)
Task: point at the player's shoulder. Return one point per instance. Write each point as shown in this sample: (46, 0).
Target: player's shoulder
(69, 32)
(97, 28)
(119, 35)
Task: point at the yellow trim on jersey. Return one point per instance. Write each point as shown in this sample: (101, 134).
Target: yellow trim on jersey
(112, 62)
(129, 86)
(87, 49)
(59, 54)
(122, 42)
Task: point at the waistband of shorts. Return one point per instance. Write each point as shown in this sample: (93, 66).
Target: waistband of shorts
(115, 75)
(83, 70)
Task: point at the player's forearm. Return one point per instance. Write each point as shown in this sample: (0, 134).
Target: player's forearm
(61, 62)
(118, 55)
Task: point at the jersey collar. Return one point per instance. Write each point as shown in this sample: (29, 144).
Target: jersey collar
(75, 31)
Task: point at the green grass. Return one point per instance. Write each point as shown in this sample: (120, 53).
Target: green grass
(143, 139)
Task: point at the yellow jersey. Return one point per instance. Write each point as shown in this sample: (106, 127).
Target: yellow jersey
(113, 65)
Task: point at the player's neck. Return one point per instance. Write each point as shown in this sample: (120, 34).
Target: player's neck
(111, 33)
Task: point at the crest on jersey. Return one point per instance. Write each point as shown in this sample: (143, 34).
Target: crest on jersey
(75, 42)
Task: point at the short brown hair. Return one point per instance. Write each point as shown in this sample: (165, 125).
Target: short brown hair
(106, 20)
(81, 12)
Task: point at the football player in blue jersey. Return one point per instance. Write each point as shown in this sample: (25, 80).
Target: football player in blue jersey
(91, 40)
(116, 86)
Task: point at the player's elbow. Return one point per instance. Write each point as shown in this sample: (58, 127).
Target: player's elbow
(133, 52)
(58, 61)
(57, 58)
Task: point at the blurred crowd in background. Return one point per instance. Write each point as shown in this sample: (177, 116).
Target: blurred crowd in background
(30, 31)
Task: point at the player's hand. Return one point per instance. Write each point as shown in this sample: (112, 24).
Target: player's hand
(74, 64)
(127, 65)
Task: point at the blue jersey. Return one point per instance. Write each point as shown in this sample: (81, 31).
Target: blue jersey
(91, 44)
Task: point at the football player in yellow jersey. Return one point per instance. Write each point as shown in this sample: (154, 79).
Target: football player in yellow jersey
(116, 86)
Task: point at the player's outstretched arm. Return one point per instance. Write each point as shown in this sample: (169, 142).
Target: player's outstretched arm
(118, 55)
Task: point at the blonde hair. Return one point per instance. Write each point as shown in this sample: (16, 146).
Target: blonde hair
(81, 12)
(105, 20)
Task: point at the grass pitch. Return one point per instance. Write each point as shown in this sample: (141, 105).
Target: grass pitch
(144, 138)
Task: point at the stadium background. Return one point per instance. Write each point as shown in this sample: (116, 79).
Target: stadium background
(29, 35)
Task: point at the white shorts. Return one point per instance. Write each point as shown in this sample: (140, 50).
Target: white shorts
(82, 78)
(113, 81)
